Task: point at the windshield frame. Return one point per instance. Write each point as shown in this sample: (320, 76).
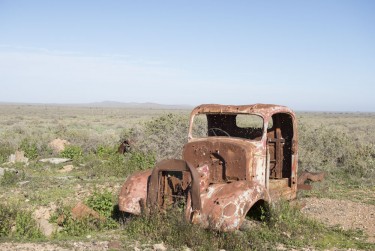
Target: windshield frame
(261, 116)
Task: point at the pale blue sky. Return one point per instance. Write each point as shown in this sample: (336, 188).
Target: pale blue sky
(309, 55)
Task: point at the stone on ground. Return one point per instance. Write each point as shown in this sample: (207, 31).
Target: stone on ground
(18, 156)
(81, 211)
(42, 216)
(66, 169)
(55, 160)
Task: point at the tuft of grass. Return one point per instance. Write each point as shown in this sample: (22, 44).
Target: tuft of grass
(11, 178)
(5, 150)
(72, 152)
(117, 165)
(7, 216)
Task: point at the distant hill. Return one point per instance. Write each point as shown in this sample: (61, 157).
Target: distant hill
(137, 105)
(110, 104)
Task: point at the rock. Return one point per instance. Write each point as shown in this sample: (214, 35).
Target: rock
(66, 169)
(60, 220)
(18, 156)
(55, 160)
(159, 247)
(81, 211)
(41, 216)
(23, 182)
(286, 234)
(58, 145)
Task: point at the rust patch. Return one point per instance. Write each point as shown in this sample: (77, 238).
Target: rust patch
(229, 210)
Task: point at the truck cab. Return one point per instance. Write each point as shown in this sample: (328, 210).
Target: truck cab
(236, 158)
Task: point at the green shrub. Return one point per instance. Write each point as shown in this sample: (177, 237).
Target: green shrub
(25, 227)
(74, 227)
(164, 136)
(328, 149)
(104, 152)
(101, 203)
(7, 216)
(72, 152)
(30, 149)
(140, 161)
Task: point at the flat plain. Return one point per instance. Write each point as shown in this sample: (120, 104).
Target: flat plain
(342, 206)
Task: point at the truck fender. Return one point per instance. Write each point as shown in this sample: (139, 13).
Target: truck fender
(134, 192)
(224, 206)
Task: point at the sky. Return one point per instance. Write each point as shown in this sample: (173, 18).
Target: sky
(309, 55)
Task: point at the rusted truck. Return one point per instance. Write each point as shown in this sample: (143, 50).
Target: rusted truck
(237, 158)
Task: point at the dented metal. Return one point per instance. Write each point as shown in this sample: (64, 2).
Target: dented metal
(224, 174)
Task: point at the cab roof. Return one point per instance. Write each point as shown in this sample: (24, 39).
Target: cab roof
(261, 109)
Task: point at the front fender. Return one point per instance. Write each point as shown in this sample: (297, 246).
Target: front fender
(133, 191)
(224, 206)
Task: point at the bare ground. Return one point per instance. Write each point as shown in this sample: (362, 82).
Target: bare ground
(345, 213)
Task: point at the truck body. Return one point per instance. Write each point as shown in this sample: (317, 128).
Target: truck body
(236, 158)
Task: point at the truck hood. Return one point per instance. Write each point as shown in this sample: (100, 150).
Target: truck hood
(228, 159)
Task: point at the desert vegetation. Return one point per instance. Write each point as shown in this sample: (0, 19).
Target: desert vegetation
(340, 144)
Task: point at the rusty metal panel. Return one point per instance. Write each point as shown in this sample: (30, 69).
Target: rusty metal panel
(227, 161)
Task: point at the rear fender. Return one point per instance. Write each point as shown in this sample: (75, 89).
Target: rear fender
(134, 192)
(224, 206)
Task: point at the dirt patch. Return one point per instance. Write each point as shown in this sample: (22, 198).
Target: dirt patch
(78, 246)
(345, 213)
(58, 145)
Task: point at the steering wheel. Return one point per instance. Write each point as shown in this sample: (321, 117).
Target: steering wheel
(213, 129)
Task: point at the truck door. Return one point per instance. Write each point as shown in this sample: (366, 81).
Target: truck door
(279, 144)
